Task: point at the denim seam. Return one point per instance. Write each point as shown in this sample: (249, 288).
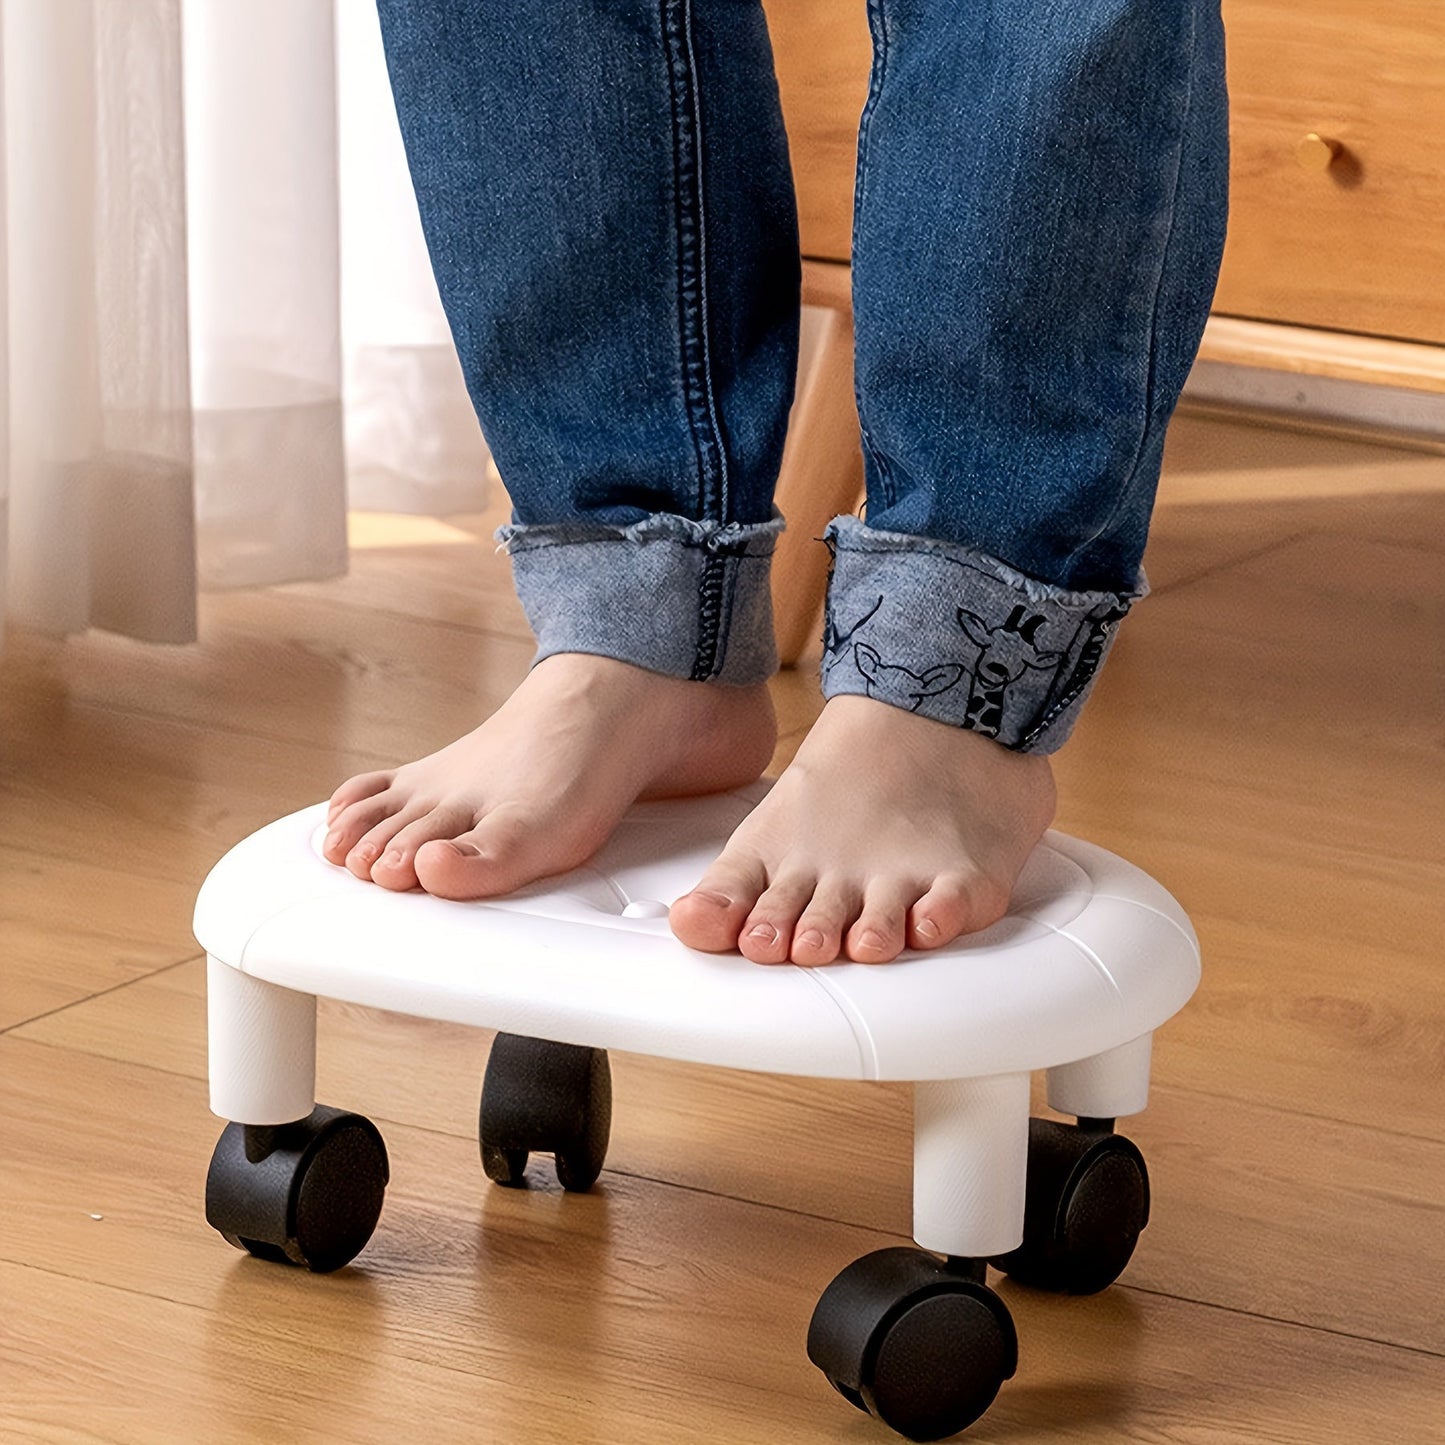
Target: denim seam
(879, 29)
(1126, 485)
(710, 616)
(704, 341)
(1086, 669)
(689, 215)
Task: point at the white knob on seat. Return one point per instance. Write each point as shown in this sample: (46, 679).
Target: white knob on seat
(645, 908)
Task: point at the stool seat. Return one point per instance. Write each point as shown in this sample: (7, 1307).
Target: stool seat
(1092, 954)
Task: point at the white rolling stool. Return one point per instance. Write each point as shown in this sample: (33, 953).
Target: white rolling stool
(1092, 957)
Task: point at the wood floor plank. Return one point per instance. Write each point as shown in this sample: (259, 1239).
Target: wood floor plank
(1266, 742)
(379, 688)
(169, 798)
(639, 1312)
(293, 668)
(71, 929)
(1245, 466)
(1248, 1199)
(1190, 539)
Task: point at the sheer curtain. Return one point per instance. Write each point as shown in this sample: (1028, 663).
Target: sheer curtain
(218, 307)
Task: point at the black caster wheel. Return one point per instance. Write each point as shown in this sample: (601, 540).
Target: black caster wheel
(921, 1344)
(556, 1098)
(1087, 1201)
(307, 1193)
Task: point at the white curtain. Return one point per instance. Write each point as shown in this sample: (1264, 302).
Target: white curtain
(218, 307)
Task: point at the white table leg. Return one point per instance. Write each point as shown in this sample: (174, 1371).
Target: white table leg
(1110, 1085)
(262, 1048)
(970, 1163)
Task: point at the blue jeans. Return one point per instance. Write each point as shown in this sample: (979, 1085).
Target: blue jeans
(1039, 217)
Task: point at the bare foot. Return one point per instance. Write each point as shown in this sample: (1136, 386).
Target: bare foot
(888, 830)
(541, 784)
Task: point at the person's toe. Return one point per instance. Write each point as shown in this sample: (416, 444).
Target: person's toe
(396, 867)
(507, 849)
(818, 936)
(356, 790)
(364, 855)
(957, 903)
(711, 916)
(879, 935)
(767, 933)
(353, 824)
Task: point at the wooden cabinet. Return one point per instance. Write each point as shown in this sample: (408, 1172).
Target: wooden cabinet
(1359, 244)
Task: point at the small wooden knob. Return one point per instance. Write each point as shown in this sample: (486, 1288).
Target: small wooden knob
(1315, 152)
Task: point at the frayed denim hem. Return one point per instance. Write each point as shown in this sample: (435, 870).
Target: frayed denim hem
(959, 636)
(686, 598)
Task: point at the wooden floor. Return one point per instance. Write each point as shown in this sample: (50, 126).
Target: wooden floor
(1266, 739)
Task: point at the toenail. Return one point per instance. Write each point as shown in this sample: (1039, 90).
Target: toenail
(393, 858)
(332, 839)
(764, 933)
(365, 851)
(872, 940)
(708, 896)
(812, 938)
(926, 928)
(467, 850)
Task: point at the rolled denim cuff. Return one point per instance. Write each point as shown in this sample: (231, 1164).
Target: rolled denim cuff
(955, 635)
(685, 598)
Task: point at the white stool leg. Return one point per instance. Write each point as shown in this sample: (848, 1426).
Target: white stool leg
(970, 1163)
(262, 1048)
(1107, 1086)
